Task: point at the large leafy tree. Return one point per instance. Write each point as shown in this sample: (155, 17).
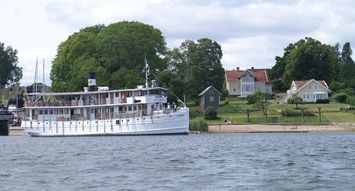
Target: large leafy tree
(277, 73)
(347, 67)
(115, 52)
(198, 64)
(10, 72)
(307, 59)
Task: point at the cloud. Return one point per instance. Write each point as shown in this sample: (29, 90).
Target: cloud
(251, 32)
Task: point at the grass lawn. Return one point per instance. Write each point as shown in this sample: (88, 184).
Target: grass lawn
(340, 117)
(234, 110)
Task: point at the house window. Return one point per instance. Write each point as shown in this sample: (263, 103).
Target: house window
(211, 99)
(249, 88)
(307, 95)
(320, 96)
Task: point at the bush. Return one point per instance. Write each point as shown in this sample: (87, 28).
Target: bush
(322, 101)
(252, 98)
(336, 86)
(198, 125)
(295, 100)
(292, 113)
(349, 91)
(210, 113)
(340, 97)
(351, 102)
(194, 113)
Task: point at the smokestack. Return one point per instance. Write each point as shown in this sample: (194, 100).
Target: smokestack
(252, 68)
(92, 81)
(237, 68)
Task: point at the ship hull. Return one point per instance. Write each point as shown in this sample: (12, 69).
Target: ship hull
(157, 124)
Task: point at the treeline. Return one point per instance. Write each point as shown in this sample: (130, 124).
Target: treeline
(10, 72)
(310, 59)
(117, 54)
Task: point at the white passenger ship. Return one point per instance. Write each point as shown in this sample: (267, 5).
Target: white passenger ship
(140, 111)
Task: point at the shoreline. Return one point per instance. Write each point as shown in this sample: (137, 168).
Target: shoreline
(247, 128)
(259, 128)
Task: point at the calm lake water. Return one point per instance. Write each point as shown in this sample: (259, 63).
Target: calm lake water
(293, 161)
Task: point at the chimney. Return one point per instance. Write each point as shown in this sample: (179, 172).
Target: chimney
(92, 81)
(237, 68)
(252, 68)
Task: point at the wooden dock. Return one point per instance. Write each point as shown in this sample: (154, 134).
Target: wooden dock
(17, 131)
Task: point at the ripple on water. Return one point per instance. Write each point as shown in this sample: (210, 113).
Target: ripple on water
(302, 161)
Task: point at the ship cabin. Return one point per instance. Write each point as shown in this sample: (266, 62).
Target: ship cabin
(95, 105)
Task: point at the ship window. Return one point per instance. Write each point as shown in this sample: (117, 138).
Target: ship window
(40, 112)
(55, 112)
(60, 111)
(50, 112)
(45, 112)
(129, 108)
(117, 122)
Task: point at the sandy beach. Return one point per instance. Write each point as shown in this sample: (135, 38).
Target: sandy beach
(232, 128)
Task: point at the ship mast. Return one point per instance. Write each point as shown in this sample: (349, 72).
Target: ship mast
(146, 71)
(36, 78)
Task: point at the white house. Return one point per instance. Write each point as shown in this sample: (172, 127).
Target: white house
(246, 82)
(309, 90)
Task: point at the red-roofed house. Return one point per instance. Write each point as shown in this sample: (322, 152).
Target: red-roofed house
(246, 82)
(309, 90)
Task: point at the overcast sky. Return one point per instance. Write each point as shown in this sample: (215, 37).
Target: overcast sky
(251, 32)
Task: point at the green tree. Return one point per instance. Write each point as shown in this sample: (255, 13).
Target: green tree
(295, 100)
(115, 52)
(310, 59)
(260, 101)
(306, 59)
(9, 71)
(277, 73)
(199, 65)
(347, 66)
(173, 83)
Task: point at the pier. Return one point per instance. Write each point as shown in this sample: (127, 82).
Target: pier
(17, 131)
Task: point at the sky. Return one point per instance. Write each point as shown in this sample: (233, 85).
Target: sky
(250, 32)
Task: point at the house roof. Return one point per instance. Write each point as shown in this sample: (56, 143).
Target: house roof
(205, 90)
(300, 84)
(259, 74)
